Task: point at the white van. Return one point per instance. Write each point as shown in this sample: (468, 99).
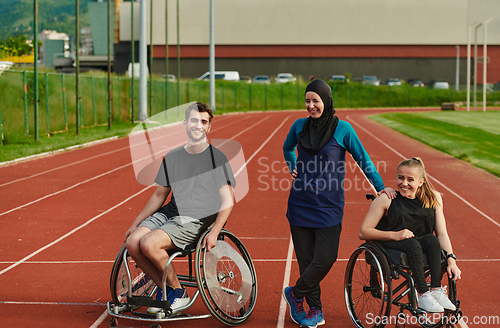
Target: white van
(221, 75)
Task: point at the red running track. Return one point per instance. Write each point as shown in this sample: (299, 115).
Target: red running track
(63, 218)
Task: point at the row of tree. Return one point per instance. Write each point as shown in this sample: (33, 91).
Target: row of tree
(15, 46)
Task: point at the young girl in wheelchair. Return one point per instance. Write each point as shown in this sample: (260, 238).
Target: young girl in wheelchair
(408, 224)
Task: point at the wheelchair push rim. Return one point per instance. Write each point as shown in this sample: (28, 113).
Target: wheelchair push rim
(226, 279)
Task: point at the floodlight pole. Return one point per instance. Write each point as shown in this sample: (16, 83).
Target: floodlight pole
(143, 57)
(110, 96)
(178, 60)
(469, 32)
(457, 69)
(35, 62)
(132, 41)
(77, 72)
(475, 64)
(212, 57)
(485, 60)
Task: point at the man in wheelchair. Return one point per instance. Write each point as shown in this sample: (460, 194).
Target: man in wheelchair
(201, 182)
(407, 223)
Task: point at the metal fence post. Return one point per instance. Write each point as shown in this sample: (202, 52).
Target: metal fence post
(120, 98)
(250, 96)
(282, 96)
(93, 99)
(223, 96)
(25, 87)
(298, 97)
(64, 103)
(265, 96)
(235, 95)
(350, 96)
(47, 101)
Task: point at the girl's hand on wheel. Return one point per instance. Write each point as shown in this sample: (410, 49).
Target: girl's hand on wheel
(294, 174)
(453, 271)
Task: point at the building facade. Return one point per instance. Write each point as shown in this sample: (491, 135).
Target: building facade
(388, 38)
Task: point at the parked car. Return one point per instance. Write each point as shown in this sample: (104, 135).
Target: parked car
(371, 80)
(393, 81)
(285, 78)
(357, 79)
(439, 84)
(221, 75)
(264, 79)
(246, 79)
(171, 77)
(5, 65)
(415, 83)
(338, 79)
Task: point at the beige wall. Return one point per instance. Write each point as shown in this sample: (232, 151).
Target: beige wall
(301, 22)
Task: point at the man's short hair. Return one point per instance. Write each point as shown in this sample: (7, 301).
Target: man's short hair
(200, 107)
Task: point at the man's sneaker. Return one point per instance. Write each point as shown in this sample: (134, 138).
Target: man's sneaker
(442, 299)
(313, 319)
(159, 297)
(428, 303)
(178, 298)
(297, 312)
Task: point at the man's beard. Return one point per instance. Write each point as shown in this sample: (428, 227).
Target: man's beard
(193, 138)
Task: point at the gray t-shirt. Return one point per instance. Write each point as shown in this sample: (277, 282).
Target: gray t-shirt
(195, 180)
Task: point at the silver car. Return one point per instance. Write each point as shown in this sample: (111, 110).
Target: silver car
(285, 78)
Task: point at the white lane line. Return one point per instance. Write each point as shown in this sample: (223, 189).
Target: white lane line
(113, 170)
(53, 152)
(430, 176)
(286, 283)
(71, 232)
(262, 146)
(181, 260)
(83, 160)
(100, 320)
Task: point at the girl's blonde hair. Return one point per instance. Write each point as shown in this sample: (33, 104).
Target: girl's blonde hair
(425, 193)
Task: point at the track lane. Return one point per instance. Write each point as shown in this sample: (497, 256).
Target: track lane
(259, 215)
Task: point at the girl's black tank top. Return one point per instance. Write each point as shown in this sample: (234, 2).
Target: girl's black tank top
(406, 213)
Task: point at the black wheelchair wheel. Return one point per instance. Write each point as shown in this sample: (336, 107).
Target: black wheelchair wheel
(367, 287)
(119, 281)
(226, 279)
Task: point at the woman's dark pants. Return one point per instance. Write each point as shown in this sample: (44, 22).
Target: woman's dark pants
(316, 250)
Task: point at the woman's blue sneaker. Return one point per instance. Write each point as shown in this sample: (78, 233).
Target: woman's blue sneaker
(313, 319)
(297, 312)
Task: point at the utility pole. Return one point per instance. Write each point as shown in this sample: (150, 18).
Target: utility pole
(35, 52)
(143, 80)
(212, 57)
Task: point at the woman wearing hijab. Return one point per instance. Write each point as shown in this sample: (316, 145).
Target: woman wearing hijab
(316, 200)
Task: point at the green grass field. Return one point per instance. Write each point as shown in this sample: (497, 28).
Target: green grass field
(470, 136)
(28, 146)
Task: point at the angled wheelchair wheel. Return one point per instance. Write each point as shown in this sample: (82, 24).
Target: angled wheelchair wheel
(226, 279)
(367, 287)
(119, 282)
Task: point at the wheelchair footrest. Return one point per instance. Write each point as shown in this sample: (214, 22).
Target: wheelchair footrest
(147, 301)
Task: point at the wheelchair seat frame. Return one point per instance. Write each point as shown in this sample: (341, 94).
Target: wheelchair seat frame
(369, 295)
(224, 277)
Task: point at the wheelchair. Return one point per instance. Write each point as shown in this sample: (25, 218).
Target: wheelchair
(224, 277)
(378, 278)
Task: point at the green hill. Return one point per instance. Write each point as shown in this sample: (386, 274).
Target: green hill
(16, 16)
